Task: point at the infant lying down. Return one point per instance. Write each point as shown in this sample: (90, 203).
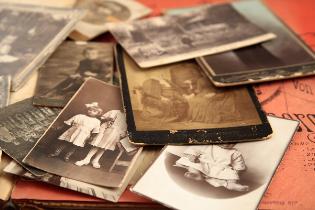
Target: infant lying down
(219, 165)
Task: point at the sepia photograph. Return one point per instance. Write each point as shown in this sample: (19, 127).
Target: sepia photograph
(68, 67)
(223, 176)
(100, 13)
(28, 35)
(180, 101)
(284, 57)
(5, 82)
(21, 125)
(168, 39)
(87, 141)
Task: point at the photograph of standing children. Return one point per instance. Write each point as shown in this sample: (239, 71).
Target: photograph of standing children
(87, 140)
(82, 128)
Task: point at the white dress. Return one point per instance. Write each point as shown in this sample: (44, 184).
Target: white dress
(217, 162)
(81, 128)
(108, 137)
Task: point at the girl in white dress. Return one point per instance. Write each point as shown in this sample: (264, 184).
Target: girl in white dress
(112, 130)
(82, 126)
(219, 165)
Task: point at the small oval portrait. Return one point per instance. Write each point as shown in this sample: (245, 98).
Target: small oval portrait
(218, 171)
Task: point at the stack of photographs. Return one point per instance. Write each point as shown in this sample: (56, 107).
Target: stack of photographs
(220, 149)
(284, 57)
(29, 35)
(101, 167)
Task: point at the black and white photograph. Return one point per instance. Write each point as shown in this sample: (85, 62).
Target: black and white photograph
(168, 39)
(68, 67)
(28, 36)
(223, 176)
(281, 58)
(178, 104)
(5, 82)
(101, 13)
(87, 139)
(21, 126)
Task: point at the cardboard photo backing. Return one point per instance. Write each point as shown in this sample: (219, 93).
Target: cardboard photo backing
(177, 104)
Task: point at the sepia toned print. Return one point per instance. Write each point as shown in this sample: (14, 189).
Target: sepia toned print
(284, 57)
(174, 99)
(180, 97)
(168, 39)
(223, 176)
(28, 37)
(101, 13)
(5, 82)
(21, 126)
(88, 139)
(66, 70)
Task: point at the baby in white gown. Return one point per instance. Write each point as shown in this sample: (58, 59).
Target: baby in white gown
(219, 165)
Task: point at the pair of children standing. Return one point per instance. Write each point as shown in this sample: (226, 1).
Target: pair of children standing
(104, 135)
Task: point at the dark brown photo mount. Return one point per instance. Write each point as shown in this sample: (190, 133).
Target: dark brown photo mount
(259, 76)
(194, 136)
